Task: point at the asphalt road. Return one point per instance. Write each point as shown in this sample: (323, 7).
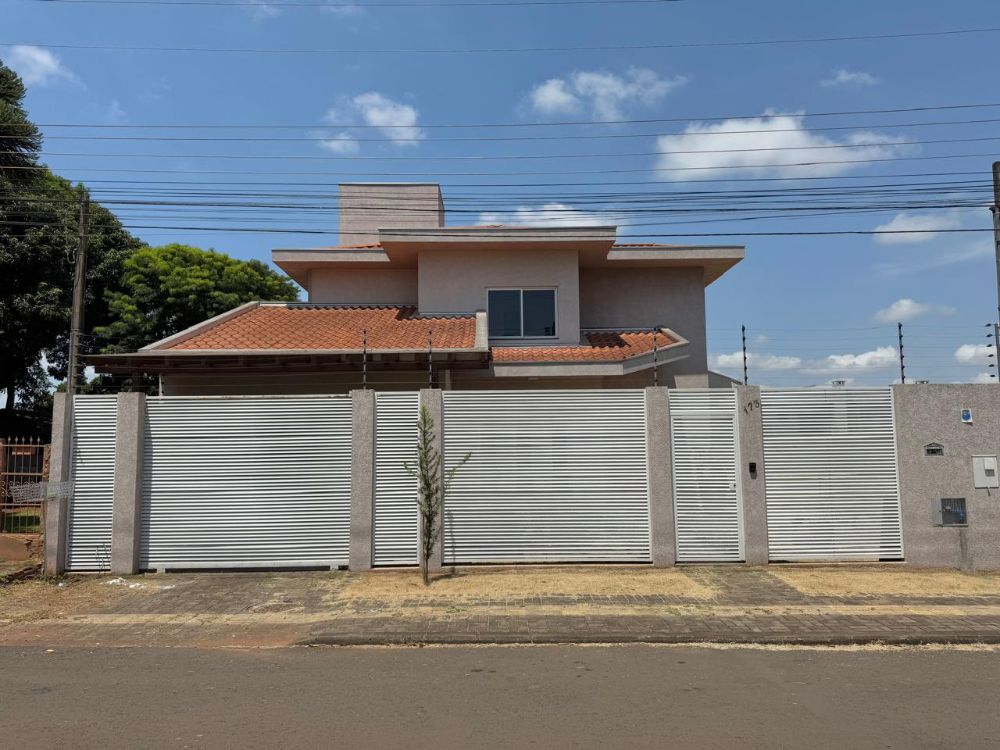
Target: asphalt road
(495, 697)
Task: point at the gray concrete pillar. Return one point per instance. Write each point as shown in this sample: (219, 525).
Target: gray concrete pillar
(661, 478)
(433, 400)
(60, 458)
(751, 452)
(362, 479)
(130, 429)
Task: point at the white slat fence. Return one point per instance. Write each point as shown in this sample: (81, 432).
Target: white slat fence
(555, 476)
(259, 481)
(831, 478)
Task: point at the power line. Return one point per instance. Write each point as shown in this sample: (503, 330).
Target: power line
(361, 5)
(523, 173)
(471, 234)
(521, 157)
(558, 123)
(482, 139)
(510, 50)
(547, 185)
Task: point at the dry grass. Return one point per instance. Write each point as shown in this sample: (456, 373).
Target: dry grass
(853, 581)
(45, 599)
(486, 583)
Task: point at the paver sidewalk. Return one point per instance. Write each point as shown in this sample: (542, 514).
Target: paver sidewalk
(514, 605)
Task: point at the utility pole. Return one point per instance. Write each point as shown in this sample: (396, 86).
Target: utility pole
(902, 358)
(746, 377)
(79, 287)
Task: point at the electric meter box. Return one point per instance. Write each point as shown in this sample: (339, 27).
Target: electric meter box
(984, 472)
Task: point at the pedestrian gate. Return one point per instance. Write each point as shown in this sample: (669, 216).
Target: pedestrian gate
(552, 476)
(830, 467)
(707, 507)
(396, 517)
(92, 473)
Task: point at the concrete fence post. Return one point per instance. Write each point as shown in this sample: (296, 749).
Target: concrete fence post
(661, 478)
(130, 429)
(433, 400)
(362, 479)
(752, 483)
(60, 458)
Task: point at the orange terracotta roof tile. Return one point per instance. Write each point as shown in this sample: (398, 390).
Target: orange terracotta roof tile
(602, 346)
(319, 327)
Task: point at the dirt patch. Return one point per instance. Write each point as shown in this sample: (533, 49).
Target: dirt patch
(888, 581)
(20, 547)
(47, 598)
(482, 583)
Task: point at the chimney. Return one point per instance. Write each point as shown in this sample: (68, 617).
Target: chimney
(367, 207)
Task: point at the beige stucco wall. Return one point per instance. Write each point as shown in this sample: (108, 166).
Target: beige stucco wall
(932, 414)
(366, 208)
(456, 281)
(363, 286)
(646, 297)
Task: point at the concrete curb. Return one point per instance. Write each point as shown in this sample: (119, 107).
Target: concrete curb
(506, 639)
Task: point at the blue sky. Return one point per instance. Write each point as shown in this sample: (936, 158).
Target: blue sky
(817, 307)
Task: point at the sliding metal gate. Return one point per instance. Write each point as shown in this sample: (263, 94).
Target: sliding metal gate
(92, 471)
(256, 481)
(396, 518)
(830, 465)
(707, 508)
(553, 476)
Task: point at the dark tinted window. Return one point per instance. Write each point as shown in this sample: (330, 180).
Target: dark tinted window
(539, 312)
(504, 312)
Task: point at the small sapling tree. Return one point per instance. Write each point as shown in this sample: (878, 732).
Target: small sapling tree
(432, 486)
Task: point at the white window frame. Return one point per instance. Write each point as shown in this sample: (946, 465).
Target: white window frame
(522, 290)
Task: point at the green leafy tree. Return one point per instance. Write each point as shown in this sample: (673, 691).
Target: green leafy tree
(167, 289)
(39, 223)
(433, 482)
(20, 139)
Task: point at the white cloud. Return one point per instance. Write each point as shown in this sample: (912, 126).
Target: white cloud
(604, 95)
(770, 145)
(35, 65)
(395, 120)
(984, 377)
(906, 309)
(757, 361)
(973, 251)
(922, 226)
(844, 77)
(341, 143)
(547, 215)
(261, 11)
(969, 354)
(876, 359)
(554, 97)
(344, 10)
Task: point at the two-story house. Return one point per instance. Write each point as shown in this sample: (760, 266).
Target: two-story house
(405, 302)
